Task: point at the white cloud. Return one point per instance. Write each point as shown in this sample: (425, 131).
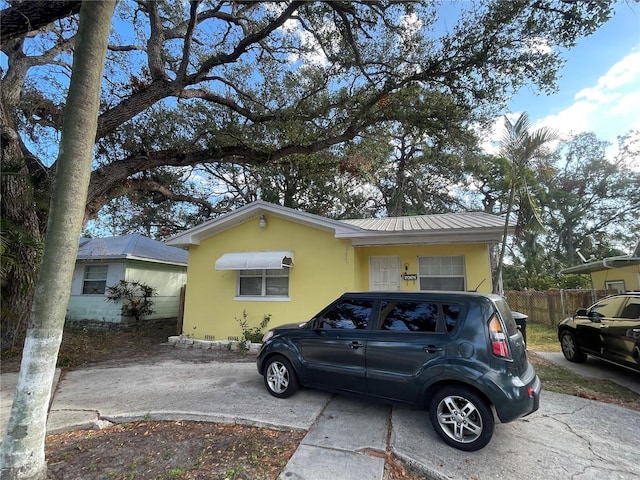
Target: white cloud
(609, 108)
(622, 76)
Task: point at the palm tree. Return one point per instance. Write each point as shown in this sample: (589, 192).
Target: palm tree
(520, 146)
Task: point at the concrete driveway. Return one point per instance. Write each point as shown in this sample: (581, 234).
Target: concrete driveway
(568, 437)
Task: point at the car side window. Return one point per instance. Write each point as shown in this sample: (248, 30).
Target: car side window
(631, 310)
(347, 315)
(451, 313)
(607, 308)
(409, 317)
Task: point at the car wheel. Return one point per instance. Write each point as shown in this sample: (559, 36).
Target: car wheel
(461, 418)
(570, 348)
(279, 377)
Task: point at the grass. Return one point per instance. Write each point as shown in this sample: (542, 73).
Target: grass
(541, 338)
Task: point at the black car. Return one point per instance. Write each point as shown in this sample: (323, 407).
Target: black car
(459, 355)
(609, 329)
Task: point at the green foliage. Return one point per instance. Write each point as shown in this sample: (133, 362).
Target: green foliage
(253, 334)
(136, 298)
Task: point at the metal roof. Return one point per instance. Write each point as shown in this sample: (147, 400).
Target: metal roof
(468, 227)
(133, 247)
(422, 223)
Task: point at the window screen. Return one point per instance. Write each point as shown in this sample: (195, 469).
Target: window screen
(95, 279)
(263, 283)
(442, 273)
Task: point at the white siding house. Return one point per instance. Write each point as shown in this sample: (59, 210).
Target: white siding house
(103, 262)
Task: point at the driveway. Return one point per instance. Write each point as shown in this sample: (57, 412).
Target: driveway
(568, 437)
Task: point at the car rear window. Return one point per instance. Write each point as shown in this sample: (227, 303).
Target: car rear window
(507, 317)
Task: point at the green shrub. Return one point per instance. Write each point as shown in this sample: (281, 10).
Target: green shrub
(253, 334)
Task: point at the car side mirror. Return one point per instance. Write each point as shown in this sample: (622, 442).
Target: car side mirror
(581, 312)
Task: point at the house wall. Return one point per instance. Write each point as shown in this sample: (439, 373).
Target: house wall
(323, 269)
(94, 307)
(630, 275)
(477, 263)
(167, 279)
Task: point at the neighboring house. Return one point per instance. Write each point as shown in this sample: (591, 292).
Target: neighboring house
(613, 273)
(264, 259)
(103, 262)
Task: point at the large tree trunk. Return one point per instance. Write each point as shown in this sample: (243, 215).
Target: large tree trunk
(22, 232)
(22, 451)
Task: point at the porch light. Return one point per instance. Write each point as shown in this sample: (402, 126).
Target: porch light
(263, 222)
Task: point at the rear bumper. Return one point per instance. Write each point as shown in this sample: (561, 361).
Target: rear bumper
(522, 400)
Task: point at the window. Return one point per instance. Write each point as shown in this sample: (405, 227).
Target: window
(607, 308)
(442, 273)
(409, 317)
(263, 283)
(418, 317)
(95, 279)
(348, 314)
(618, 286)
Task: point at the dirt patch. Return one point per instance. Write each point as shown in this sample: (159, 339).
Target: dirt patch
(170, 450)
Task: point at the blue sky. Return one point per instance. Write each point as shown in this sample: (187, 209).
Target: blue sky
(599, 86)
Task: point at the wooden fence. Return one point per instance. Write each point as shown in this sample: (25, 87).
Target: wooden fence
(551, 307)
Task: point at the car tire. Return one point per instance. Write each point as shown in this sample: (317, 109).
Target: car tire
(280, 378)
(462, 418)
(570, 348)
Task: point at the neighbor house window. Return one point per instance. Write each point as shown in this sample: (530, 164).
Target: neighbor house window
(95, 279)
(616, 285)
(442, 272)
(263, 283)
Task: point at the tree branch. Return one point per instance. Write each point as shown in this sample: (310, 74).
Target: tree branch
(25, 17)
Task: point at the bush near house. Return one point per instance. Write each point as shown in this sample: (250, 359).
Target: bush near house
(136, 298)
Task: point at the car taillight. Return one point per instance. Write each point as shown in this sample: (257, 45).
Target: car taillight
(499, 344)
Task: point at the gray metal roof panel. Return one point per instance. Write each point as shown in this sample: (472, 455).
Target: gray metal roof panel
(443, 221)
(130, 246)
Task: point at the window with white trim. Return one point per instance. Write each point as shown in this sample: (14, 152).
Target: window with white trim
(263, 283)
(95, 279)
(445, 272)
(617, 285)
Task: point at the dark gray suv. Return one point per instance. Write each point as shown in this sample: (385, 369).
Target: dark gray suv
(459, 355)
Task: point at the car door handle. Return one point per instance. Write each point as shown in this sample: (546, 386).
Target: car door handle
(432, 349)
(356, 345)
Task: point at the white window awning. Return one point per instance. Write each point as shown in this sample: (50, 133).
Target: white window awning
(254, 260)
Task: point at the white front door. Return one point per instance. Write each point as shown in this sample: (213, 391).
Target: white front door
(384, 273)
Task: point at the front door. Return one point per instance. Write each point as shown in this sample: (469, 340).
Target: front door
(384, 273)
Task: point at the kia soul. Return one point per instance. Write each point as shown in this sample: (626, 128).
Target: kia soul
(458, 355)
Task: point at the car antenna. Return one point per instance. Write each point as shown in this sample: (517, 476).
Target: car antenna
(478, 286)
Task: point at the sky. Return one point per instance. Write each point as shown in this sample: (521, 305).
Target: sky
(599, 86)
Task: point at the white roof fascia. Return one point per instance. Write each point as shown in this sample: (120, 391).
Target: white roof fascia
(195, 235)
(424, 238)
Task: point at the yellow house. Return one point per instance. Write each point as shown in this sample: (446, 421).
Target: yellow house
(265, 259)
(620, 273)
